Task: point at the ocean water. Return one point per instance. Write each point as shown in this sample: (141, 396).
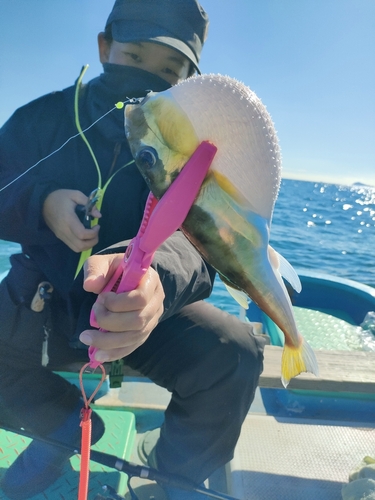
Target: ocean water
(327, 227)
(322, 227)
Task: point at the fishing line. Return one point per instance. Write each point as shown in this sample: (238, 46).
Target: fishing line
(61, 147)
(118, 105)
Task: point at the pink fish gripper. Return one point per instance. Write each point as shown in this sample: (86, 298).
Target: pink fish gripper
(160, 220)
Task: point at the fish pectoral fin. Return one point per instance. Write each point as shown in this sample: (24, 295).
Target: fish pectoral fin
(296, 360)
(238, 296)
(285, 268)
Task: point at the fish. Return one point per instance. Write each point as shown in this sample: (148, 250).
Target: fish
(230, 221)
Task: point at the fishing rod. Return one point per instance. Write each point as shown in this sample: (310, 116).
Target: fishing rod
(131, 469)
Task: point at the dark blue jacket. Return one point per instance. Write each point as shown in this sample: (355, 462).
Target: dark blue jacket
(34, 132)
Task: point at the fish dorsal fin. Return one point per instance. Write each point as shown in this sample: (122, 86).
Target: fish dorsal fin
(227, 113)
(285, 269)
(238, 296)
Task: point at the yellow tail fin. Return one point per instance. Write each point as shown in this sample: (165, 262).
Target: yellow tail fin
(296, 360)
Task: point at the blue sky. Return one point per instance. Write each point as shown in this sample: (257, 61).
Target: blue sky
(312, 62)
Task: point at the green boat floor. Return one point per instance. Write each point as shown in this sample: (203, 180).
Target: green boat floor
(118, 439)
(325, 330)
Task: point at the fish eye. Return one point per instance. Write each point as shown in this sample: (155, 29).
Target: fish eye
(147, 157)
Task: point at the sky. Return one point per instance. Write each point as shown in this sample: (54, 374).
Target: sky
(311, 62)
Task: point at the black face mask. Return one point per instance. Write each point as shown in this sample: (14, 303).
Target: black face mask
(117, 83)
(127, 81)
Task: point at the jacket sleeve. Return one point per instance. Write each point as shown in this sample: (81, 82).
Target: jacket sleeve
(24, 189)
(185, 276)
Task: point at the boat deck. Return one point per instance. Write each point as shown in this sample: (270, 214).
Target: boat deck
(302, 442)
(297, 458)
(297, 443)
(339, 371)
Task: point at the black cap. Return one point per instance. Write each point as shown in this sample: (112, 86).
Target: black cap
(180, 24)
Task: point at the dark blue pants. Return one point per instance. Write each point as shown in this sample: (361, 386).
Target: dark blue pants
(207, 359)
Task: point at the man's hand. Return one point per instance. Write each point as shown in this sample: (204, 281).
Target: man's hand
(60, 216)
(128, 317)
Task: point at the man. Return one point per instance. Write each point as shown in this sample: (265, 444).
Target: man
(208, 360)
